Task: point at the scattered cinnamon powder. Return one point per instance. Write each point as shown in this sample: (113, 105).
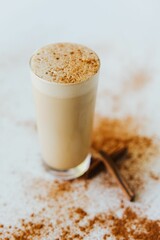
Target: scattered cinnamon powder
(67, 234)
(154, 176)
(80, 212)
(129, 226)
(132, 226)
(105, 237)
(57, 189)
(28, 230)
(67, 201)
(77, 214)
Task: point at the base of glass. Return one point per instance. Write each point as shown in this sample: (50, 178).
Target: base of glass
(73, 172)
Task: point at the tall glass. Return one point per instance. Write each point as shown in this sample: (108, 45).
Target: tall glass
(64, 118)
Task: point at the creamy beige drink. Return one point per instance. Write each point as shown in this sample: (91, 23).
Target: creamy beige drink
(64, 78)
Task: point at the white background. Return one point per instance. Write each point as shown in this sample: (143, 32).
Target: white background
(125, 34)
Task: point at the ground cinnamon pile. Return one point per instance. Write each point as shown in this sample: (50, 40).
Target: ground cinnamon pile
(110, 134)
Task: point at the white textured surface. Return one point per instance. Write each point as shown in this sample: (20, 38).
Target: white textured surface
(126, 36)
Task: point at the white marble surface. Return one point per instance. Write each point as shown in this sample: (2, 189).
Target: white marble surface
(126, 36)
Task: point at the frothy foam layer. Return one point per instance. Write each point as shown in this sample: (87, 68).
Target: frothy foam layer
(65, 63)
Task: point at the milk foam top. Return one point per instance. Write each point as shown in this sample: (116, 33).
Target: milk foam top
(64, 69)
(65, 63)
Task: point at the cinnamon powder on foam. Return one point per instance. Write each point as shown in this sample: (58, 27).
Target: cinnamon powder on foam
(65, 63)
(108, 133)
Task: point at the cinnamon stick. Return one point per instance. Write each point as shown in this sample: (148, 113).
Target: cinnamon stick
(112, 169)
(97, 166)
